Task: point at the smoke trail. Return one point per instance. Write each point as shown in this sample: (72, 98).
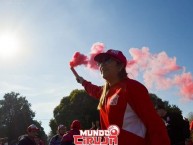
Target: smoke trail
(159, 70)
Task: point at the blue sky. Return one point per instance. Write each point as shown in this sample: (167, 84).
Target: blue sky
(49, 32)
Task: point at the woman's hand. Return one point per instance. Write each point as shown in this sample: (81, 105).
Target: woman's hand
(79, 79)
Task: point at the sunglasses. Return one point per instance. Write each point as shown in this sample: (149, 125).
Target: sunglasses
(107, 60)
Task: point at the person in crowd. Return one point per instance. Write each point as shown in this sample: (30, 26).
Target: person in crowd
(175, 124)
(125, 102)
(32, 132)
(4, 141)
(95, 126)
(56, 139)
(38, 140)
(67, 138)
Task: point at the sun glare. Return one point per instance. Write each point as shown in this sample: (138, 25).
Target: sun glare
(9, 46)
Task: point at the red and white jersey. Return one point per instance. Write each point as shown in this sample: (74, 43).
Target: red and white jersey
(128, 106)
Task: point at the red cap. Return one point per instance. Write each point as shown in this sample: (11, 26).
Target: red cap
(32, 127)
(111, 53)
(75, 125)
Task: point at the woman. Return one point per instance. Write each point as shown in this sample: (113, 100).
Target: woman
(67, 138)
(125, 103)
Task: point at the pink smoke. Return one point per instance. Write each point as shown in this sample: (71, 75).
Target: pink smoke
(78, 59)
(95, 49)
(156, 68)
(159, 71)
(81, 59)
(185, 82)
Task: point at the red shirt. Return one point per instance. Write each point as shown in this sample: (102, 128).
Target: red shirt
(128, 106)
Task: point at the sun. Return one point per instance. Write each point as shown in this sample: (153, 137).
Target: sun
(9, 46)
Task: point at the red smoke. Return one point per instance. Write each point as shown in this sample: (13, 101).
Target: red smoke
(159, 71)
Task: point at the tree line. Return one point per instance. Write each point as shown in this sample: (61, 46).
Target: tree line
(15, 116)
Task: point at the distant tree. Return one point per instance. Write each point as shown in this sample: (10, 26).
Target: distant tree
(78, 105)
(53, 126)
(15, 116)
(171, 108)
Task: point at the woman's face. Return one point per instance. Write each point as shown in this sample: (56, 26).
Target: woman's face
(62, 130)
(109, 68)
(33, 133)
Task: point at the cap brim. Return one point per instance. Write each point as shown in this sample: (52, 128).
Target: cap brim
(100, 57)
